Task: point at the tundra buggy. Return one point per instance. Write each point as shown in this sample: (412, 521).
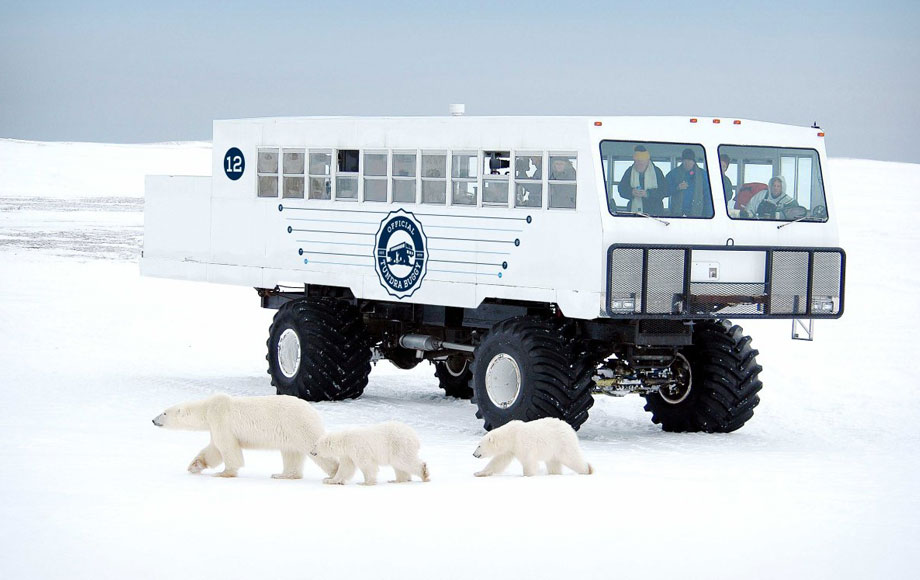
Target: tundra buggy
(536, 261)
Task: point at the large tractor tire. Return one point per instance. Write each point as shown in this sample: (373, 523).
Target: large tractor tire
(524, 369)
(720, 381)
(454, 375)
(318, 350)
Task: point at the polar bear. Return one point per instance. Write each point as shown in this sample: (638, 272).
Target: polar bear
(280, 422)
(367, 448)
(550, 440)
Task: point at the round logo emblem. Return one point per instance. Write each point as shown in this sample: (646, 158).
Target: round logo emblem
(234, 163)
(399, 253)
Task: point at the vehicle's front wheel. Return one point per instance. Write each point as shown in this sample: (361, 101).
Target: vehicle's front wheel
(522, 370)
(718, 381)
(318, 350)
(454, 376)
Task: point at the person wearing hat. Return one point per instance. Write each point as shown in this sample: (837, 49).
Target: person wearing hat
(688, 188)
(643, 185)
(773, 203)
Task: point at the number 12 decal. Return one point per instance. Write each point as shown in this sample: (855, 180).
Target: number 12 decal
(234, 163)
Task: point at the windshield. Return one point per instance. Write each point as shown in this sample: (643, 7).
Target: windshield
(660, 180)
(772, 183)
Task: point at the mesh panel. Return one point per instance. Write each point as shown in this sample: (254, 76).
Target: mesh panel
(665, 284)
(664, 281)
(825, 276)
(789, 288)
(626, 274)
(726, 298)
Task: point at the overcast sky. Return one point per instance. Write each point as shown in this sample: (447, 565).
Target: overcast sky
(112, 72)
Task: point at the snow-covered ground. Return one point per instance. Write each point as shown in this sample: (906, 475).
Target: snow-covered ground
(822, 483)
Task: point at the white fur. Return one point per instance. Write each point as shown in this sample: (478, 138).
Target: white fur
(285, 423)
(549, 440)
(367, 448)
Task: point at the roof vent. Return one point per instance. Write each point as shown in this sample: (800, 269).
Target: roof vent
(457, 110)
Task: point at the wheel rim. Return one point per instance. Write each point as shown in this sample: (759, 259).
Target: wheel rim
(503, 380)
(289, 353)
(456, 366)
(680, 369)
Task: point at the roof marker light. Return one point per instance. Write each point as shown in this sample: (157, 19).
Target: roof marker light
(821, 134)
(716, 121)
(597, 123)
(736, 122)
(693, 120)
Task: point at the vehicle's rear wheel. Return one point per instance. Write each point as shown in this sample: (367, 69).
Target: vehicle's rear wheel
(523, 369)
(454, 376)
(717, 386)
(318, 350)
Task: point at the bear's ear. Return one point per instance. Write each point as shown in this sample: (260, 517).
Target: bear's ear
(490, 438)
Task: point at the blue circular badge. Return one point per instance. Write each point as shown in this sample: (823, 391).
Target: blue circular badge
(234, 163)
(399, 253)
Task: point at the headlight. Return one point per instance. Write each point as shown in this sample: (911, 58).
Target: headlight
(623, 303)
(823, 304)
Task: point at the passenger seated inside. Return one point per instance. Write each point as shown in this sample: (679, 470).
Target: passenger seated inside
(688, 188)
(773, 203)
(562, 169)
(643, 185)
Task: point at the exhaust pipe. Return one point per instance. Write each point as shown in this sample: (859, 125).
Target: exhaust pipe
(428, 343)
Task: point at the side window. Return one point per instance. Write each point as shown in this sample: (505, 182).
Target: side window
(434, 177)
(656, 179)
(528, 180)
(292, 162)
(464, 179)
(319, 173)
(404, 172)
(772, 183)
(346, 174)
(562, 180)
(267, 170)
(375, 176)
(496, 171)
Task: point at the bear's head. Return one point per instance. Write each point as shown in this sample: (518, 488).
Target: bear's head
(488, 446)
(323, 447)
(188, 417)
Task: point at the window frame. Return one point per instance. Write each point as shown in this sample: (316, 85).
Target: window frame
(403, 178)
(330, 176)
(385, 177)
(423, 179)
(779, 149)
(477, 180)
(284, 174)
(551, 182)
(640, 142)
(336, 173)
(277, 174)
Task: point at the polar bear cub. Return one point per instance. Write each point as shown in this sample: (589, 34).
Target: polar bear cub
(280, 422)
(367, 448)
(550, 440)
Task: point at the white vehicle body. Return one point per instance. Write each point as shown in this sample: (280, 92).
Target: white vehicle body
(218, 229)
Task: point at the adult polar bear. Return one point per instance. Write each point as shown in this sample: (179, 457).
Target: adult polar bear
(550, 440)
(279, 422)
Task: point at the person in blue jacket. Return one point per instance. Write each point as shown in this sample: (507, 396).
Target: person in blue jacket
(688, 188)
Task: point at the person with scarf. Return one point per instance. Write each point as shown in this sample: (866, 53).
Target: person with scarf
(643, 185)
(688, 187)
(773, 203)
